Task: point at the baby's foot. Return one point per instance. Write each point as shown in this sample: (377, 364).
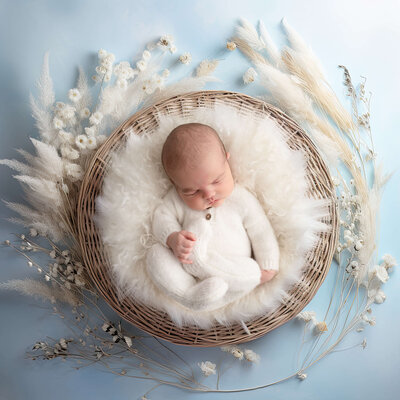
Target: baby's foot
(207, 292)
(267, 275)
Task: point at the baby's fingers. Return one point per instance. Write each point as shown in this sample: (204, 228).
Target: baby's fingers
(185, 260)
(187, 244)
(189, 235)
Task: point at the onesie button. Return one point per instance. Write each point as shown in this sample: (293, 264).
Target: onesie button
(208, 216)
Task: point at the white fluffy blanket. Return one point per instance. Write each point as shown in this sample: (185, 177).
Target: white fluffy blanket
(260, 160)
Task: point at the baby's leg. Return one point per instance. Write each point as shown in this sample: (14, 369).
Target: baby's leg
(169, 276)
(240, 273)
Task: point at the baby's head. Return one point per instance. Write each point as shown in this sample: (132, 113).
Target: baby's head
(195, 160)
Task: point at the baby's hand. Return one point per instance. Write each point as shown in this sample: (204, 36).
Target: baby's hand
(267, 275)
(181, 243)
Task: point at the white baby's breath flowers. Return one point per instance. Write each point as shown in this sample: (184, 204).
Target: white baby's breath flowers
(69, 153)
(91, 143)
(185, 58)
(206, 67)
(146, 55)
(141, 65)
(59, 105)
(84, 113)
(104, 70)
(307, 316)
(102, 53)
(65, 137)
(91, 130)
(165, 41)
(81, 141)
(389, 262)
(378, 274)
(353, 268)
(148, 86)
(122, 83)
(66, 113)
(74, 95)
(249, 76)
(370, 321)
(108, 60)
(172, 49)
(231, 46)
(96, 118)
(234, 350)
(251, 356)
(124, 71)
(302, 376)
(379, 296)
(101, 70)
(321, 327)
(207, 367)
(58, 123)
(165, 73)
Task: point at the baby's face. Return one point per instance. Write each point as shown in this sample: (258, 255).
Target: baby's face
(207, 184)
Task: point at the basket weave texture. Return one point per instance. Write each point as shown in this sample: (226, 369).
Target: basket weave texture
(158, 323)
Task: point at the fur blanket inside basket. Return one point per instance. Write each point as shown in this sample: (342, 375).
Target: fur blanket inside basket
(260, 160)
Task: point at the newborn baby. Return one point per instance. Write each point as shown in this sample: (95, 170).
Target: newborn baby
(207, 226)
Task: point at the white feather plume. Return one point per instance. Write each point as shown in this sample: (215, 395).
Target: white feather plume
(247, 32)
(47, 162)
(300, 46)
(18, 166)
(44, 121)
(270, 47)
(84, 90)
(45, 85)
(288, 95)
(38, 289)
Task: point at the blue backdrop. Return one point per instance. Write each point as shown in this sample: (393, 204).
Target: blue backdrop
(362, 35)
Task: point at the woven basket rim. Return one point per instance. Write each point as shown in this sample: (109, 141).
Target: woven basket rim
(155, 322)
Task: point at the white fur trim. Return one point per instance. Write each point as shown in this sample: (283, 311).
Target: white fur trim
(260, 160)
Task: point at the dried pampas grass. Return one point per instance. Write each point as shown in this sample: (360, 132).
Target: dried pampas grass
(38, 289)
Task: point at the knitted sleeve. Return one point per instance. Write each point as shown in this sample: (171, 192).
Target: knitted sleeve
(261, 234)
(166, 218)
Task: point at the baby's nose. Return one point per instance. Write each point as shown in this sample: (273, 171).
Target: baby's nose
(208, 194)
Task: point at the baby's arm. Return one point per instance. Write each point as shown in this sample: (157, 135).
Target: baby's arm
(166, 219)
(262, 237)
(168, 230)
(181, 243)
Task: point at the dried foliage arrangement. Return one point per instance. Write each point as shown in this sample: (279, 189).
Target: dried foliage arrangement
(71, 131)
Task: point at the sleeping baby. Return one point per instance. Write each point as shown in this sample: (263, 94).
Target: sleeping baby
(207, 226)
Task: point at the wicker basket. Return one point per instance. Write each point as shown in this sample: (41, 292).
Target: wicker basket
(156, 322)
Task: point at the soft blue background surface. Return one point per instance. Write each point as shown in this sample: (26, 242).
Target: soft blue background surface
(363, 35)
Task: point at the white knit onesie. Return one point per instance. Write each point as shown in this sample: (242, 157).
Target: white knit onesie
(222, 268)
